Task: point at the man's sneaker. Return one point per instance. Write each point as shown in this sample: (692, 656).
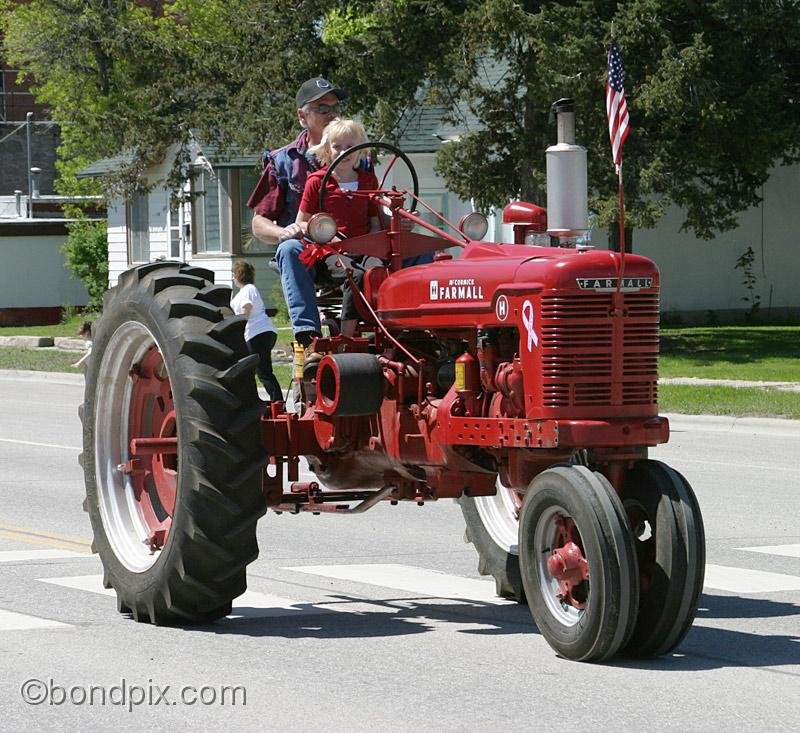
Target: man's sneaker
(305, 338)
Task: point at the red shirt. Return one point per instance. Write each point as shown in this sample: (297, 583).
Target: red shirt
(351, 211)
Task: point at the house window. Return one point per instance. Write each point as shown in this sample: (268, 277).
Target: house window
(207, 214)
(138, 229)
(176, 227)
(220, 217)
(248, 177)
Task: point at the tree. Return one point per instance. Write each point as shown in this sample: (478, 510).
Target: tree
(713, 86)
(124, 75)
(713, 95)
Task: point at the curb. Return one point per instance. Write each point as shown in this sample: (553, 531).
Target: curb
(726, 424)
(8, 375)
(26, 342)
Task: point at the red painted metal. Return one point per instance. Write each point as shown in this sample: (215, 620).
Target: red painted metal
(568, 565)
(526, 218)
(507, 359)
(153, 443)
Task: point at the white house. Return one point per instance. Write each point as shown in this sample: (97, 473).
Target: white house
(214, 230)
(698, 277)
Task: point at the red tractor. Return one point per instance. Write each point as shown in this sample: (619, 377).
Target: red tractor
(520, 380)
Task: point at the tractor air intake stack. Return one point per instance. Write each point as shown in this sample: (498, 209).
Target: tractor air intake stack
(567, 198)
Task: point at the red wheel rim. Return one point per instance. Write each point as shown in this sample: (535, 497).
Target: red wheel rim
(568, 565)
(153, 446)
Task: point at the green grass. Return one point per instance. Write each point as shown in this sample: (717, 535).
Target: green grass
(39, 360)
(762, 353)
(69, 327)
(734, 401)
(55, 360)
(283, 373)
(759, 353)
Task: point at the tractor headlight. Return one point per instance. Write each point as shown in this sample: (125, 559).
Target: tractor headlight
(321, 228)
(474, 225)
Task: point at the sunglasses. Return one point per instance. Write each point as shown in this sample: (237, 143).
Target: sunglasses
(326, 109)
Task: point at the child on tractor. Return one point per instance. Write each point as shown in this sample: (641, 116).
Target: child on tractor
(354, 214)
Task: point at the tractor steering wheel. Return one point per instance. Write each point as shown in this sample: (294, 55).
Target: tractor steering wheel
(396, 152)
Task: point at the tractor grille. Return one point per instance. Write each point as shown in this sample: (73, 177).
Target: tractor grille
(579, 342)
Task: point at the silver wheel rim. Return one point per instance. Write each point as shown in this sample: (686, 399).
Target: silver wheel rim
(124, 525)
(500, 517)
(544, 539)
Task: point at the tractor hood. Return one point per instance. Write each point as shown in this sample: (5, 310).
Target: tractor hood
(472, 283)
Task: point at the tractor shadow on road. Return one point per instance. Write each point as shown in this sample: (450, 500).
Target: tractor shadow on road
(344, 616)
(707, 647)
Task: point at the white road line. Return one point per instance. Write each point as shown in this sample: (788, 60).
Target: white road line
(20, 555)
(411, 579)
(423, 582)
(786, 550)
(251, 604)
(91, 583)
(10, 621)
(39, 445)
(741, 581)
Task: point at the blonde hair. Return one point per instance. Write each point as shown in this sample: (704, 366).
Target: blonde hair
(333, 130)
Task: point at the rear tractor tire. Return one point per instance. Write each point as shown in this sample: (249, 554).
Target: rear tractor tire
(172, 449)
(492, 526)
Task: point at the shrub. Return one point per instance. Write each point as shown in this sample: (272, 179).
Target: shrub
(86, 250)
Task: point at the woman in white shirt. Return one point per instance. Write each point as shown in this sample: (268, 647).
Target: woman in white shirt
(259, 332)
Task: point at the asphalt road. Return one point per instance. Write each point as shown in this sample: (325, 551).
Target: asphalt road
(381, 621)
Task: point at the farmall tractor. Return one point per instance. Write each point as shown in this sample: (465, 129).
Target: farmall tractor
(519, 380)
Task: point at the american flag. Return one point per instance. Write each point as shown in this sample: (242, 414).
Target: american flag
(616, 108)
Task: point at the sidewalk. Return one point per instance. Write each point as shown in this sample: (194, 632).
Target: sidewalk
(698, 381)
(280, 354)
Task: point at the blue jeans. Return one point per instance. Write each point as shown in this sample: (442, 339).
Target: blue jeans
(298, 287)
(299, 283)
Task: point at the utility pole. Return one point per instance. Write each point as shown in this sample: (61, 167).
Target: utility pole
(28, 126)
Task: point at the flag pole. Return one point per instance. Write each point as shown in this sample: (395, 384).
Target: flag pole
(618, 129)
(621, 228)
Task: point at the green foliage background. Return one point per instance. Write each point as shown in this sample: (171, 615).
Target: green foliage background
(713, 86)
(86, 251)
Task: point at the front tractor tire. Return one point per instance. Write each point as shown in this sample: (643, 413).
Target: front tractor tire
(670, 544)
(578, 563)
(172, 450)
(492, 527)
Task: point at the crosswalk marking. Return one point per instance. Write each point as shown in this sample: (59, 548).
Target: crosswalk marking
(251, 604)
(20, 555)
(11, 621)
(411, 579)
(742, 581)
(436, 586)
(91, 583)
(786, 550)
